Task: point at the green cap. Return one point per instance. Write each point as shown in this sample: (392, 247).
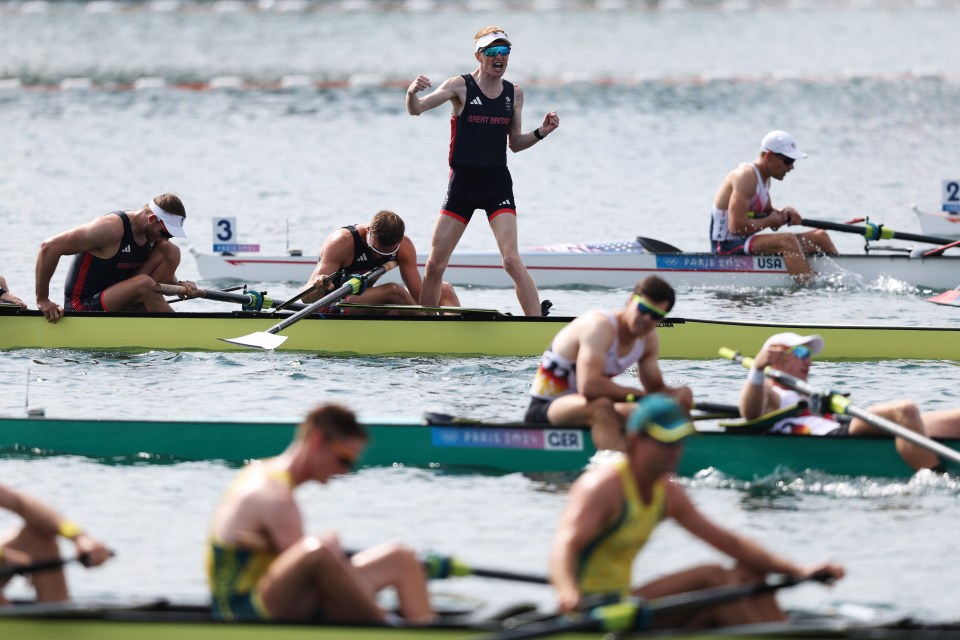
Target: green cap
(661, 418)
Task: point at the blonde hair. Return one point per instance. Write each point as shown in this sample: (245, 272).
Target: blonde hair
(486, 30)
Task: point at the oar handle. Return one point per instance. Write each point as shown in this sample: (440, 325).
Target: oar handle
(43, 565)
(177, 290)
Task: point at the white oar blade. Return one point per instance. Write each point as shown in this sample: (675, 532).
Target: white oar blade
(258, 340)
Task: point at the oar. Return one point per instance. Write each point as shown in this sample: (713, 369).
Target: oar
(717, 407)
(310, 289)
(634, 614)
(270, 340)
(938, 250)
(872, 231)
(251, 300)
(948, 298)
(840, 404)
(441, 567)
(41, 565)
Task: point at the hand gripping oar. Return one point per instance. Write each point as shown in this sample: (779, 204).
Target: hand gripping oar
(270, 340)
(290, 304)
(872, 231)
(42, 565)
(841, 405)
(635, 614)
(250, 300)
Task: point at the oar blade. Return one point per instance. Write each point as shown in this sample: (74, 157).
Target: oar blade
(258, 340)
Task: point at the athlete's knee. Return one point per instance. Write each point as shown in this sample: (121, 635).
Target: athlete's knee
(513, 265)
(395, 293)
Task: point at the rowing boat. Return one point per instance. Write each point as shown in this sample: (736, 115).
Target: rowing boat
(164, 621)
(946, 224)
(483, 333)
(445, 444)
(618, 265)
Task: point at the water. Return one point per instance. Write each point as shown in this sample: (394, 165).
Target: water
(657, 101)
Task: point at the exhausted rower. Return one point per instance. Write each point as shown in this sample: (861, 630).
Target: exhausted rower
(361, 247)
(742, 208)
(574, 381)
(781, 410)
(261, 565)
(119, 259)
(36, 541)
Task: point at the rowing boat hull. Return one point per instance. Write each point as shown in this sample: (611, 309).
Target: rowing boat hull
(172, 623)
(483, 448)
(580, 265)
(467, 335)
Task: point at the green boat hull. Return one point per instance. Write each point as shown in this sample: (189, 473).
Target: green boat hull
(486, 448)
(468, 335)
(107, 623)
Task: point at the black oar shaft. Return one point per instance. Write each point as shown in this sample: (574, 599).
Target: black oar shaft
(246, 299)
(862, 230)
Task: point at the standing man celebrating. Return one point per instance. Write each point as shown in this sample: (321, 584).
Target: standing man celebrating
(486, 118)
(574, 381)
(742, 208)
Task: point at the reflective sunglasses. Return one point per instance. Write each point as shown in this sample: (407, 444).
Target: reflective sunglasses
(645, 307)
(801, 351)
(500, 49)
(345, 456)
(388, 254)
(787, 160)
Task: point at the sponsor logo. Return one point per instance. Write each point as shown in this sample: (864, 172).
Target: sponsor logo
(505, 203)
(476, 101)
(126, 249)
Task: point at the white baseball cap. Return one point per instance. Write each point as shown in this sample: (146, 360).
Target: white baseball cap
(782, 142)
(487, 40)
(790, 339)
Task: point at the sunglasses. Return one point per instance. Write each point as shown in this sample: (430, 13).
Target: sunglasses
(497, 50)
(787, 160)
(801, 351)
(645, 307)
(345, 456)
(163, 231)
(387, 254)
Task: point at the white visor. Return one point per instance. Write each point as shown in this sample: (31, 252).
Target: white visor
(486, 40)
(173, 223)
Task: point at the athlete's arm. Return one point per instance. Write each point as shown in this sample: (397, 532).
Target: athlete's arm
(592, 502)
(681, 509)
(651, 378)
(596, 337)
(336, 253)
(452, 90)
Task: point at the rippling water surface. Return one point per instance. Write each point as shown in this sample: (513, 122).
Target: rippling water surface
(289, 116)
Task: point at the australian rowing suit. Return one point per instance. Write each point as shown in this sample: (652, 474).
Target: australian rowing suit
(557, 376)
(605, 562)
(722, 241)
(479, 178)
(233, 571)
(804, 422)
(89, 275)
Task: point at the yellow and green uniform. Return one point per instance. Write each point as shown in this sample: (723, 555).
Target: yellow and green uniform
(233, 571)
(606, 562)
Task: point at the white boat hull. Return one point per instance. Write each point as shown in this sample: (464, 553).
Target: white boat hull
(944, 225)
(616, 265)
